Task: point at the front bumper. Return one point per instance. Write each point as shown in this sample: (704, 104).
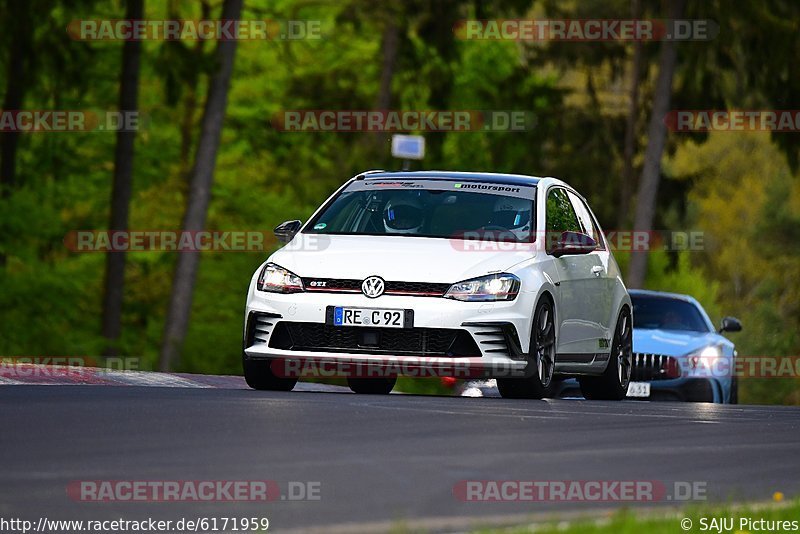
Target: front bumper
(491, 330)
(684, 389)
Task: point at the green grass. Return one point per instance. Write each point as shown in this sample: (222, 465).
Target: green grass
(628, 521)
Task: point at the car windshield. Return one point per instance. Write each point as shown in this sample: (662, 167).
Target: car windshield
(667, 314)
(430, 208)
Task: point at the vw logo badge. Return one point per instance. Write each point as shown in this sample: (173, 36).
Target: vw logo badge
(373, 286)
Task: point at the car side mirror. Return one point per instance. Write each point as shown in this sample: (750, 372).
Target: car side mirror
(287, 230)
(730, 324)
(573, 243)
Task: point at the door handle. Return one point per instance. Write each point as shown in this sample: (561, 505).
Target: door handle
(596, 270)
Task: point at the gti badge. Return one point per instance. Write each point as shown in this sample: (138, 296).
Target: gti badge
(373, 287)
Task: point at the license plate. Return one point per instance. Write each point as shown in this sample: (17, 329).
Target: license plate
(639, 389)
(380, 317)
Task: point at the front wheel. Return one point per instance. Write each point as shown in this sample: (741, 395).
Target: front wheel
(613, 383)
(542, 358)
(258, 375)
(734, 394)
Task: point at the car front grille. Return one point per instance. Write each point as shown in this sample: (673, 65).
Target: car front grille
(342, 285)
(647, 367)
(320, 337)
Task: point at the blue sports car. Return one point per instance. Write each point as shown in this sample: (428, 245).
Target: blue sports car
(677, 352)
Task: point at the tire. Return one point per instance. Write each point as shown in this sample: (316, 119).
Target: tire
(541, 358)
(734, 395)
(613, 383)
(372, 386)
(258, 375)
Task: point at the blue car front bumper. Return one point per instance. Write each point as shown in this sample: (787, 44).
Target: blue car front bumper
(686, 389)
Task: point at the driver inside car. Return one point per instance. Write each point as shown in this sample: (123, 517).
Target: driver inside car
(403, 215)
(513, 215)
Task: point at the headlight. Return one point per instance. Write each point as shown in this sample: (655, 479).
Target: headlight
(707, 362)
(493, 287)
(276, 279)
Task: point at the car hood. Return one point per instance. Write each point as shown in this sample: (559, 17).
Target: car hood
(398, 258)
(672, 342)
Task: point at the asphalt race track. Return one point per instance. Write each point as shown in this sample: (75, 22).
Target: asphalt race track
(380, 461)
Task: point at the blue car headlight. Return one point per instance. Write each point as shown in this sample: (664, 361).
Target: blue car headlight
(708, 362)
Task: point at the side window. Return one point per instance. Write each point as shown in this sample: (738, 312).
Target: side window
(586, 220)
(342, 214)
(560, 216)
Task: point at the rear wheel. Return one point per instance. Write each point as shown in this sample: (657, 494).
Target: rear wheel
(372, 386)
(542, 358)
(613, 383)
(258, 375)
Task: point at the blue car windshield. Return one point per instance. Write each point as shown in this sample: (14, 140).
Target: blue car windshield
(665, 313)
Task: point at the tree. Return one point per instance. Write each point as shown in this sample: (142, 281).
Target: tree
(626, 183)
(201, 180)
(656, 140)
(19, 52)
(435, 28)
(121, 191)
(181, 66)
(389, 48)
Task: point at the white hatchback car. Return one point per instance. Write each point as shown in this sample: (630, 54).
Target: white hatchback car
(505, 276)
